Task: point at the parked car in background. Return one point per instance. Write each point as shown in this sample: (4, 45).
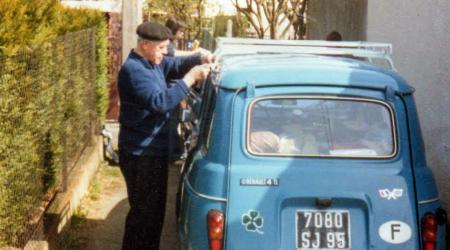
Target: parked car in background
(306, 145)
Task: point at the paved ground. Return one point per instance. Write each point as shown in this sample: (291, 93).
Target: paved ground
(102, 214)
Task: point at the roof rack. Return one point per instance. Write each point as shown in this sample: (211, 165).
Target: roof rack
(375, 53)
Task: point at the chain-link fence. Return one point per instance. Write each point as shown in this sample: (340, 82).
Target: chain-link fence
(47, 118)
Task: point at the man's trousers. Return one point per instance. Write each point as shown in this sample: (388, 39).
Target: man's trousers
(146, 179)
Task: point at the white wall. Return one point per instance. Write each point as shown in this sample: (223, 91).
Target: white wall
(420, 33)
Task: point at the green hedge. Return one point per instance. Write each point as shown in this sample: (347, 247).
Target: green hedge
(54, 93)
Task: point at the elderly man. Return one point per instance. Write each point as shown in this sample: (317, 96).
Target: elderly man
(146, 102)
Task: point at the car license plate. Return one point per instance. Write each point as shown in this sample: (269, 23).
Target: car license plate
(323, 229)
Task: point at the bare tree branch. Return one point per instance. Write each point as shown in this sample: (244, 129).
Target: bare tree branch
(190, 11)
(249, 13)
(276, 13)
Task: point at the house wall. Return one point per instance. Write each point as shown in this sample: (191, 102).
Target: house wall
(420, 34)
(347, 17)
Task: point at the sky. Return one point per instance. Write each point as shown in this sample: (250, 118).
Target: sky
(226, 6)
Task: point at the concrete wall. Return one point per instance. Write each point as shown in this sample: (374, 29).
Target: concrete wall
(420, 33)
(131, 18)
(348, 17)
(63, 206)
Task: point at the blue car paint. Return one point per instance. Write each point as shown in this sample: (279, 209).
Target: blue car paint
(314, 70)
(372, 176)
(212, 181)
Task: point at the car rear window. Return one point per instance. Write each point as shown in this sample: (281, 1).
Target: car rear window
(322, 127)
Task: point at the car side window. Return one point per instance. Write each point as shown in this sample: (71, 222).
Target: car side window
(207, 114)
(203, 113)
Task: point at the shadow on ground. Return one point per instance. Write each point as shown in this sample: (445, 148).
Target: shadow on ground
(99, 223)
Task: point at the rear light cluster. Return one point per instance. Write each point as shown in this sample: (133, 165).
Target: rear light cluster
(215, 221)
(429, 231)
(430, 224)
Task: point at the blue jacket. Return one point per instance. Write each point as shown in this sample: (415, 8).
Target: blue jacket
(147, 101)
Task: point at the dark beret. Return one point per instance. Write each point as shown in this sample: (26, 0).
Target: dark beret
(153, 31)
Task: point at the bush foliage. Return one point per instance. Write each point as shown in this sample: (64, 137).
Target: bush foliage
(53, 94)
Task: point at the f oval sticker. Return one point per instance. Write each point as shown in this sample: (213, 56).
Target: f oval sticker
(395, 232)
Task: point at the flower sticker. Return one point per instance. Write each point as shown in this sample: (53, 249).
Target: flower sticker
(252, 221)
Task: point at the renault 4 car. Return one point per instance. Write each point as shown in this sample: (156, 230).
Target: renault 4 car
(306, 145)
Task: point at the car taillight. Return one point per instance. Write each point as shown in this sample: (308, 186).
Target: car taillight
(429, 231)
(215, 229)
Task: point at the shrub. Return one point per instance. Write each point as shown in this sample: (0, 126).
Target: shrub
(54, 92)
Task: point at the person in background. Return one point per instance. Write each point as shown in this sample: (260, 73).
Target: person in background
(178, 28)
(146, 101)
(334, 36)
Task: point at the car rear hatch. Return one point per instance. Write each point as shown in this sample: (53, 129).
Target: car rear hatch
(325, 193)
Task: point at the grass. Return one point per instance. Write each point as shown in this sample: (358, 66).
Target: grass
(109, 171)
(94, 190)
(71, 239)
(105, 171)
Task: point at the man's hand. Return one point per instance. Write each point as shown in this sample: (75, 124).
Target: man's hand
(197, 74)
(206, 55)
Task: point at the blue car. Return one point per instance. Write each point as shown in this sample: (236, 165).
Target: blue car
(306, 145)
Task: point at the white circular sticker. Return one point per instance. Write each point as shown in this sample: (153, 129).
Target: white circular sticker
(395, 232)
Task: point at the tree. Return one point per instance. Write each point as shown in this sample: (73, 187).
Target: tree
(273, 14)
(297, 17)
(240, 25)
(189, 11)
